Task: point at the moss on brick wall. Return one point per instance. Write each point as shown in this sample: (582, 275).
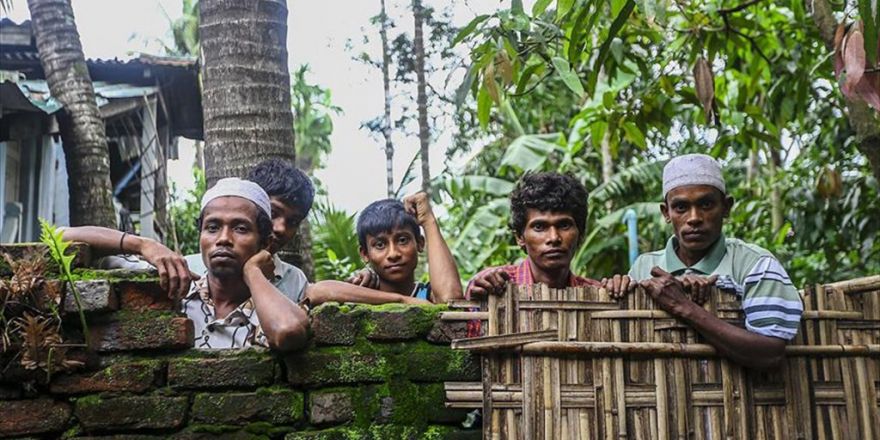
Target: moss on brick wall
(371, 372)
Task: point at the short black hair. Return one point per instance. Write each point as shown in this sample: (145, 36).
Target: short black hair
(264, 225)
(553, 192)
(383, 216)
(285, 181)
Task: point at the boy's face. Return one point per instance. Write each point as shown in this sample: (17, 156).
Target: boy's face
(549, 238)
(394, 254)
(285, 221)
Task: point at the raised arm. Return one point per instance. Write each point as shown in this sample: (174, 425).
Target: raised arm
(174, 275)
(339, 291)
(284, 323)
(445, 283)
(742, 346)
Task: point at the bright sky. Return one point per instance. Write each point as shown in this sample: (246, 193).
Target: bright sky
(318, 32)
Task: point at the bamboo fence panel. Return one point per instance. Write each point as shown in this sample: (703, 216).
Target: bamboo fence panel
(573, 364)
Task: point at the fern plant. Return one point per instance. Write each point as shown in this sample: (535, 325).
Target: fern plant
(52, 237)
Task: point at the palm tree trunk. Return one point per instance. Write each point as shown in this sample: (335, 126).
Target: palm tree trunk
(422, 98)
(386, 84)
(82, 129)
(246, 85)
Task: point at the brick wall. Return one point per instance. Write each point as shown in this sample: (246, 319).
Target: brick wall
(369, 372)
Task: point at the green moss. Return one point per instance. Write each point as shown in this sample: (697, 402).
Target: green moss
(212, 428)
(74, 431)
(266, 429)
(114, 275)
(92, 399)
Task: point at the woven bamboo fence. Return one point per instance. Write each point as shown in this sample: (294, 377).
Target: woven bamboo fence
(573, 364)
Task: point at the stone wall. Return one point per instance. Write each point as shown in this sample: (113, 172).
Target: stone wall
(369, 372)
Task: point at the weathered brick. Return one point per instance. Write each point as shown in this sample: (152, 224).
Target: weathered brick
(276, 406)
(10, 392)
(330, 407)
(383, 432)
(333, 324)
(434, 363)
(444, 332)
(232, 369)
(398, 322)
(95, 296)
(143, 295)
(18, 250)
(335, 365)
(30, 417)
(130, 412)
(136, 377)
(130, 330)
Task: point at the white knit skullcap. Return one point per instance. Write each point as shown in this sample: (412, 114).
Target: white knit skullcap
(692, 169)
(235, 187)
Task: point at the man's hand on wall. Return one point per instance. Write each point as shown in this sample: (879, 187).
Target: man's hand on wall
(667, 291)
(174, 275)
(364, 278)
(698, 286)
(619, 286)
(488, 282)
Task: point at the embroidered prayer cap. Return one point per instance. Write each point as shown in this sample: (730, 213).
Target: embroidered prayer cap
(235, 187)
(692, 169)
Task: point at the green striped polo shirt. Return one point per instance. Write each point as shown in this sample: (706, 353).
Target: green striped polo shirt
(771, 304)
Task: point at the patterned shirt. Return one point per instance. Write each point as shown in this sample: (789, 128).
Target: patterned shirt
(241, 328)
(771, 304)
(289, 279)
(520, 275)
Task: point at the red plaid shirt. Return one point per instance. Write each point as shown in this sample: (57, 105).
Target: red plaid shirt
(520, 275)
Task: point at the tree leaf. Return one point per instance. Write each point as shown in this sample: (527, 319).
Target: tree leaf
(484, 105)
(634, 134)
(562, 8)
(539, 7)
(569, 78)
(526, 75)
(870, 29)
(468, 29)
(853, 61)
(704, 84)
(616, 25)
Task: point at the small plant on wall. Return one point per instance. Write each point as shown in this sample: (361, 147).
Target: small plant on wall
(31, 320)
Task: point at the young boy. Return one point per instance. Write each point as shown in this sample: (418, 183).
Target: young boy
(390, 241)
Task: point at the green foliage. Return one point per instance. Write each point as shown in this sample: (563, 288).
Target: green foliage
(185, 214)
(312, 123)
(566, 89)
(334, 242)
(52, 237)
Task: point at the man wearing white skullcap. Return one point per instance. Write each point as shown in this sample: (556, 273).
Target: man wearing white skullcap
(234, 304)
(698, 256)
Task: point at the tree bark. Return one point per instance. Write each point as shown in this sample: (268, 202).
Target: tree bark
(862, 119)
(386, 84)
(82, 129)
(245, 85)
(422, 97)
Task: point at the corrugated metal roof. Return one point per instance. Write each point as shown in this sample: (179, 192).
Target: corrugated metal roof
(37, 92)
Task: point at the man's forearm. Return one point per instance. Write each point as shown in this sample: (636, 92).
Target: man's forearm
(284, 323)
(445, 283)
(742, 346)
(104, 241)
(338, 291)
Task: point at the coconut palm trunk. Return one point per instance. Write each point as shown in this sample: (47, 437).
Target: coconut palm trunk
(386, 120)
(246, 85)
(422, 97)
(82, 129)
(246, 93)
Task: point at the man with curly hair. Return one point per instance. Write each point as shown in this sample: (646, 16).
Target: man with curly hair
(548, 215)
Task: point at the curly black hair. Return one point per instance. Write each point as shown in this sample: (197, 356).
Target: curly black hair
(552, 192)
(285, 181)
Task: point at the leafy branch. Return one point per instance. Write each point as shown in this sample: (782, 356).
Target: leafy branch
(53, 238)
